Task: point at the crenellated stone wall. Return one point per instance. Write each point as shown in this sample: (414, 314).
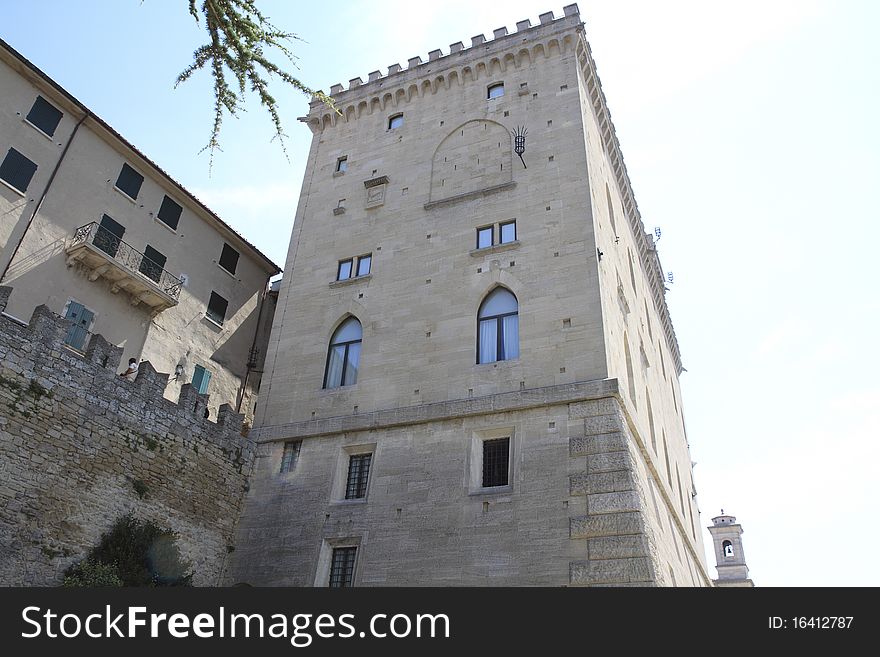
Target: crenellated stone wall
(81, 446)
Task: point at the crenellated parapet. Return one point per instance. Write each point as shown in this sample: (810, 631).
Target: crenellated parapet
(80, 446)
(461, 66)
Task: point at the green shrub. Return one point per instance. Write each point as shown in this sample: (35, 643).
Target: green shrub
(92, 573)
(140, 553)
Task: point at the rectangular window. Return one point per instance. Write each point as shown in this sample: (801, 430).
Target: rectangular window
(152, 264)
(395, 121)
(44, 116)
(169, 213)
(217, 307)
(229, 259)
(129, 182)
(201, 379)
(82, 321)
(495, 462)
(291, 455)
(342, 567)
(364, 264)
(17, 170)
(344, 270)
(108, 236)
(342, 165)
(358, 476)
(484, 237)
(507, 232)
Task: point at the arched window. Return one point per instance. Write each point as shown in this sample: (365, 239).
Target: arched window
(395, 121)
(498, 327)
(495, 90)
(343, 356)
(727, 548)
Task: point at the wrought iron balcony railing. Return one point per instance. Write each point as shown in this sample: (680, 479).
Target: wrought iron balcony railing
(128, 257)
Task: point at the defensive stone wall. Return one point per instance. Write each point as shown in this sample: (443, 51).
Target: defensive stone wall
(81, 446)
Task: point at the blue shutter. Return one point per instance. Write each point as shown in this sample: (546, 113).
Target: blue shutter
(201, 379)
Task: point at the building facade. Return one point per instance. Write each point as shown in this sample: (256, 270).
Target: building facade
(99, 233)
(472, 377)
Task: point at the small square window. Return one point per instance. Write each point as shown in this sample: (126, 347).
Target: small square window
(358, 476)
(129, 182)
(495, 90)
(508, 232)
(152, 264)
(395, 121)
(44, 116)
(484, 237)
(364, 263)
(344, 270)
(17, 170)
(169, 213)
(229, 259)
(342, 567)
(217, 308)
(495, 462)
(291, 455)
(342, 165)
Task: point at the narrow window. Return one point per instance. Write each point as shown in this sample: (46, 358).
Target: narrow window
(44, 116)
(201, 379)
(82, 321)
(291, 455)
(342, 165)
(343, 356)
(395, 121)
(727, 546)
(496, 457)
(495, 90)
(508, 232)
(152, 264)
(343, 272)
(484, 237)
(342, 567)
(229, 258)
(17, 170)
(129, 182)
(364, 263)
(108, 236)
(358, 476)
(169, 213)
(498, 327)
(217, 307)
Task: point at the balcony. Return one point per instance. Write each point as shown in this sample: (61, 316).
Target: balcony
(106, 256)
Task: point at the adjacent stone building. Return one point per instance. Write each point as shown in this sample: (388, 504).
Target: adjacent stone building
(95, 230)
(472, 377)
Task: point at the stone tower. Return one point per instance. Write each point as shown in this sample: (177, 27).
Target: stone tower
(472, 377)
(730, 559)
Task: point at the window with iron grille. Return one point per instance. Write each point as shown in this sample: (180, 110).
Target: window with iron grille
(358, 476)
(229, 259)
(152, 264)
(17, 170)
(44, 116)
(129, 182)
(217, 307)
(169, 213)
(496, 456)
(342, 567)
(291, 455)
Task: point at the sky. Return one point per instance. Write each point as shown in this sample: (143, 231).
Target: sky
(750, 132)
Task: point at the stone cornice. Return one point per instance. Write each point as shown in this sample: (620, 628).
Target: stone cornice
(438, 411)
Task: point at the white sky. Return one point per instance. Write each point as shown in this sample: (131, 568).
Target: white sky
(750, 133)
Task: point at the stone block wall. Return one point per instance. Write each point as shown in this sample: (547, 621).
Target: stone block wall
(80, 447)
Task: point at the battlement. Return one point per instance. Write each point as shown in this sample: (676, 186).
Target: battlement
(81, 446)
(417, 67)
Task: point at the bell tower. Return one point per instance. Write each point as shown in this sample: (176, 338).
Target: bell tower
(729, 557)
